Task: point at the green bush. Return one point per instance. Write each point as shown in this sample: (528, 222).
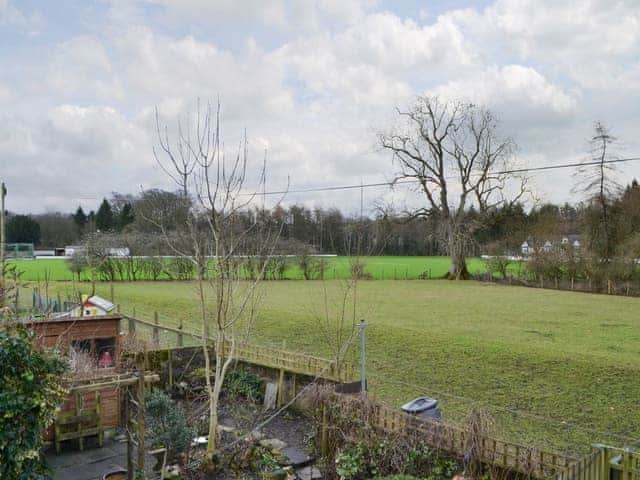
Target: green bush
(30, 393)
(167, 424)
(398, 477)
(372, 460)
(241, 382)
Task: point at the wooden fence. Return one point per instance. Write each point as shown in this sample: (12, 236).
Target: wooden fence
(161, 337)
(604, 463)
(456, 440)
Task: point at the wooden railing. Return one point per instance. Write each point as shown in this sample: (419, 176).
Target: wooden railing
(457, 440)
(161, 337)
(604, 463)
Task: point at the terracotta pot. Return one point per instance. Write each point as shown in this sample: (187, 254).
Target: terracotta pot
(115, 475)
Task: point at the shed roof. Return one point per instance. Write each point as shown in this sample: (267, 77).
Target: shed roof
(100, 302)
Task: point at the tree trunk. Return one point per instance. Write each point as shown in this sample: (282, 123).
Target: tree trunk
(458, 269)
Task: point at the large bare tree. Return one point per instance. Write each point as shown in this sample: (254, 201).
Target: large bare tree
(218, 239)
(453, 151)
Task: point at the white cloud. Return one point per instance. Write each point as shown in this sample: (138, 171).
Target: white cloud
(12, 16)
(81, 66)
(278, 14)
(317, 90)
(5, 93)
(514, 90)
(162, 68)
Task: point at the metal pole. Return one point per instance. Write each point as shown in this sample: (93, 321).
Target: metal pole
(3, 193)
(363, 359)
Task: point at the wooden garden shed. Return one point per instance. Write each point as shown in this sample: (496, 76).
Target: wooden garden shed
(94, 347)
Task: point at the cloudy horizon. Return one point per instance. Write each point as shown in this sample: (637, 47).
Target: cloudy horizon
(312, 83)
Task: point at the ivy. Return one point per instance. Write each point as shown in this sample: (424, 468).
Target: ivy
(30, 393)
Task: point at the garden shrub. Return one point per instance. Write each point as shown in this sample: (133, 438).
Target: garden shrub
(167, 424)
(243, 383)
(31, 392)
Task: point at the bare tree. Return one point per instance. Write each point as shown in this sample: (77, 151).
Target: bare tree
(182, 158)
(218, 238)
(596, 180)
(454, 153)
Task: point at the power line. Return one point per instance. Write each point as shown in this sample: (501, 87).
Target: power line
(403, 182)
(333, 188)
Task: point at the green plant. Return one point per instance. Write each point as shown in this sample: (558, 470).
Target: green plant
(398, 477)
(167, 424)
(244, 383)
(31, 392)
(443, 469)
(419, 458)
(351, 462)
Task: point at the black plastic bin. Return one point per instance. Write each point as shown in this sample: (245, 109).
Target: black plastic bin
(423, 407)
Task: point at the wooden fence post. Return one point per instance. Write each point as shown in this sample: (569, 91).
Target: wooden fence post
(281, 380)
(156, 330)
(127, 416)
(140, 420)
(324, 444)
(180, 336)
(132, 325)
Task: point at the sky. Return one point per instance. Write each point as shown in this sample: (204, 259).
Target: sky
(311, 82)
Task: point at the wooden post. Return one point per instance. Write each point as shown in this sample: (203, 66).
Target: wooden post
(156, 331)
(111, 291)
(324, 445)
(140, 420)
(608, 286)
(293, 386)
(170, 360)
(99, 414)
(280, 401)
(127, 416)
(132, 326)
(180, 336)
(78, 412)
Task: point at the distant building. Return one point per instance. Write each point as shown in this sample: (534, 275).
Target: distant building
(71, 250)
(530, 246)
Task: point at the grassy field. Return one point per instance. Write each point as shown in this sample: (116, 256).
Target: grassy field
(388, 267)
(555, 369)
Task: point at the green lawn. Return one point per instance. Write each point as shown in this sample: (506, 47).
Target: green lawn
(558, 370)
(387, 267)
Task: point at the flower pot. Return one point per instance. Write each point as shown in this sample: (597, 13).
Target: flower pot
(115, 475)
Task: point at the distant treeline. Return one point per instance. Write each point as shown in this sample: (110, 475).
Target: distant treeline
(134, 221)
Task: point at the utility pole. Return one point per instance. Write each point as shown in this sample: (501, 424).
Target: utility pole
(363, 359)
(3, 194)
